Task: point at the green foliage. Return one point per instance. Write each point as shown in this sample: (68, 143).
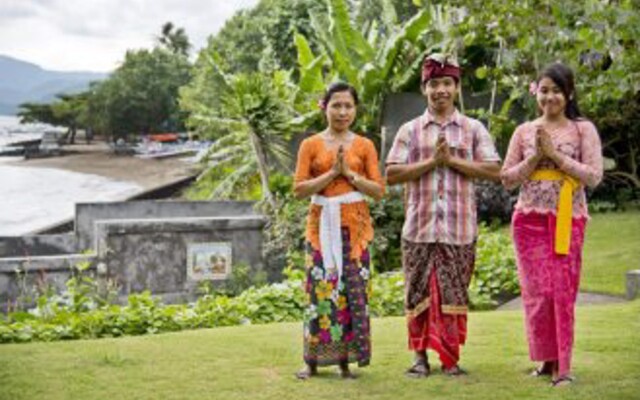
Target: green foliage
(374, 62)
(85, 310)
(504, 45)
(387, 294)
(68, 110)
(265, 31)
(174, 39)
(285, 231)
(250, 117)
(388, 218)
(141, 95)
(495, 275)
(241, 279)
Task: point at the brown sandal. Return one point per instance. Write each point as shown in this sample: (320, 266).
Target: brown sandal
(345, 373)
(454, 371)
(562, 381)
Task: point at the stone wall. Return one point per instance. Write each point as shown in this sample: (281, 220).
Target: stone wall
(146, 245)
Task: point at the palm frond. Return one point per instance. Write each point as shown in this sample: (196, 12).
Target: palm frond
(224, 188)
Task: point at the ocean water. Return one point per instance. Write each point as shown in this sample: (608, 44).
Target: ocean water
(11, 130)
(36, 198)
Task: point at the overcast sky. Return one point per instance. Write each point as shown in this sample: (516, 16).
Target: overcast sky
(93, 35)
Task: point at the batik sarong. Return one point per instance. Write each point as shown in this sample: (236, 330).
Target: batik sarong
(437, 278)
(336, 320)
(549, 284)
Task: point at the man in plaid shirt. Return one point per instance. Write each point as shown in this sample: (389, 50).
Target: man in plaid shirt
(437, 156)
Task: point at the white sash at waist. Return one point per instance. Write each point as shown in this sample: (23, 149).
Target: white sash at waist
(330, 223)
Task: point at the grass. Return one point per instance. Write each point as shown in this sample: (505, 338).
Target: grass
(258, 362)
(612, 247)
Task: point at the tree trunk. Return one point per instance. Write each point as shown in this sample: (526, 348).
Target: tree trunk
(263, 168)
(73, 130)
(494, 89)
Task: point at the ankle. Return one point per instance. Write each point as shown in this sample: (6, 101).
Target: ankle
(312, 367)
(421, 356)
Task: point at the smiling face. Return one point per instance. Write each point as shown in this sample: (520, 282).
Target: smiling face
(551, 100)
(441, 93)
(340, 111)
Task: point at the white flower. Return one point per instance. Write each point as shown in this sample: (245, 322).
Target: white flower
(311, 312)
(317, 273)
(364, 273)
(334, 296)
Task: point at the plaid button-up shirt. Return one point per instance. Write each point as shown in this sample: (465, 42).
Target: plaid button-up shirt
(441, 205)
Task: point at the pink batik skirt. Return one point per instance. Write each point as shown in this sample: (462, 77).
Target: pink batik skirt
(549, 284)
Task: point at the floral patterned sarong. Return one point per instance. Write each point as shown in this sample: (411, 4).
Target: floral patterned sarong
(336, 320)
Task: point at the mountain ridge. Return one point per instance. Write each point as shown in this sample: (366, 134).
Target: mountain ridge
(22, 81)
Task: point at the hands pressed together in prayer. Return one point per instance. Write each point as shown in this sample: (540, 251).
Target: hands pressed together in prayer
(442, 156)
(341, 168)
(544, 145)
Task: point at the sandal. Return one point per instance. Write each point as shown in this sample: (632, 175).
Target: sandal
(454, 371)
(545, 370)
(562, 381)
(306, 373)
(420, 369)
(346, 374)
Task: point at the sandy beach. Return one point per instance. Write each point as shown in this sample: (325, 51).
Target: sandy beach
(39, 193)
(98, 159)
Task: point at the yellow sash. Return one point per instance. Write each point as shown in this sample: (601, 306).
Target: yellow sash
(565, 205)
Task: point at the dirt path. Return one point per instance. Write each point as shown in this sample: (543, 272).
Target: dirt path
(583, 299)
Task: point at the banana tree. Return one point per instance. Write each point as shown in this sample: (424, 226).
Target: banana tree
(376, 62)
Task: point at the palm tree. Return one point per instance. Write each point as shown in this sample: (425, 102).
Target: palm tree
(254, 114)
(174, 40)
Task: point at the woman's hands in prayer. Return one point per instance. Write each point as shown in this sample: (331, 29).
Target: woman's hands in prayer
(341, 168)
(544, 145)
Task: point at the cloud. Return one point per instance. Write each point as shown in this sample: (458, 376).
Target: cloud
(94, 35)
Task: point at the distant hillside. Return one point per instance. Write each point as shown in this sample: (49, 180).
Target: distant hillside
(21, 81)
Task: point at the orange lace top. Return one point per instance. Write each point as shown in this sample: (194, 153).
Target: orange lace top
(314, 159)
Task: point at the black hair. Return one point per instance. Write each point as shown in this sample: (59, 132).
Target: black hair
(337, 87)
(562, 76)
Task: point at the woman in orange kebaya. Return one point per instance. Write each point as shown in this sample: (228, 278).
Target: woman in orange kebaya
(337, 168)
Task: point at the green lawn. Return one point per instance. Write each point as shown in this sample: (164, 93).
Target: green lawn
(612, 247)
(258, 362)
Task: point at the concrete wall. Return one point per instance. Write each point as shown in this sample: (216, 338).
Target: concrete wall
(140, 245)
(88, 213)
(21, 278)
(152, 254)
(38, 245)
